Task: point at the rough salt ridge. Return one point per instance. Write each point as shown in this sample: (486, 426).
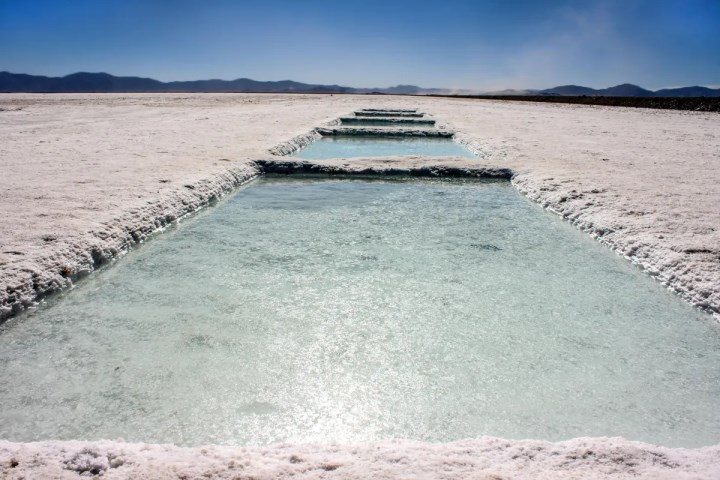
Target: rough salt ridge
(87, 176)
(484, 458)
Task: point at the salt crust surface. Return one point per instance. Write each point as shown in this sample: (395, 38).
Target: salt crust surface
(484, 458)
(87, 176)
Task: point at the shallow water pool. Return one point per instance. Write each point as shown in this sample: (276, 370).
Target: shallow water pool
(351, 146)
(379, 122)
(349, 310)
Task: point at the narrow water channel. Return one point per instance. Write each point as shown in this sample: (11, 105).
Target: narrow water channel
(305, 309)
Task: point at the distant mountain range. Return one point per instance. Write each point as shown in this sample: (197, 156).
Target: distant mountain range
(103, 82)
(83, 82)
(629, 90)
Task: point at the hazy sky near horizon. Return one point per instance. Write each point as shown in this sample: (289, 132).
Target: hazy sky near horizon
(471, 44)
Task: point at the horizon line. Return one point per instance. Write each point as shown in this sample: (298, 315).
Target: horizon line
(479, 90)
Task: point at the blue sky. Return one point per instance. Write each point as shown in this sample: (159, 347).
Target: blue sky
(367, 43)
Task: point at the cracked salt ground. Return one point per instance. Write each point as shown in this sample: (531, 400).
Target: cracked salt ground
(337, 310)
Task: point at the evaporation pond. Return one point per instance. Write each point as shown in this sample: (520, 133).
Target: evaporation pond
(372, 122)
(349, 310)
(352, 146)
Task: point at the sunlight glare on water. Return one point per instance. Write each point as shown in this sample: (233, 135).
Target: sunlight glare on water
(351, 310)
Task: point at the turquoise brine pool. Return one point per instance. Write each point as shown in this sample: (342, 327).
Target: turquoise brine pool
(349, 310)
(377, 122)
(350, 146)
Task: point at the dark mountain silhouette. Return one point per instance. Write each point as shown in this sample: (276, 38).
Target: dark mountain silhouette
(625, 90)
(405, 90)
(401, 89)
(248, 85)
(688, 92)
(77, 82)
(565, 90)
(628, 90)
(105, 83)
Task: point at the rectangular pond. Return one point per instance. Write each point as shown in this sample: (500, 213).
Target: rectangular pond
(390, 110)
(305, 309)
(386, 122)
(329, 147)
(366, 113)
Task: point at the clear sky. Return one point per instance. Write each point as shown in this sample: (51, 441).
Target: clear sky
(474, 44)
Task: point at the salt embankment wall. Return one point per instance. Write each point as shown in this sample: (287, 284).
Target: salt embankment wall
(486, 458)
